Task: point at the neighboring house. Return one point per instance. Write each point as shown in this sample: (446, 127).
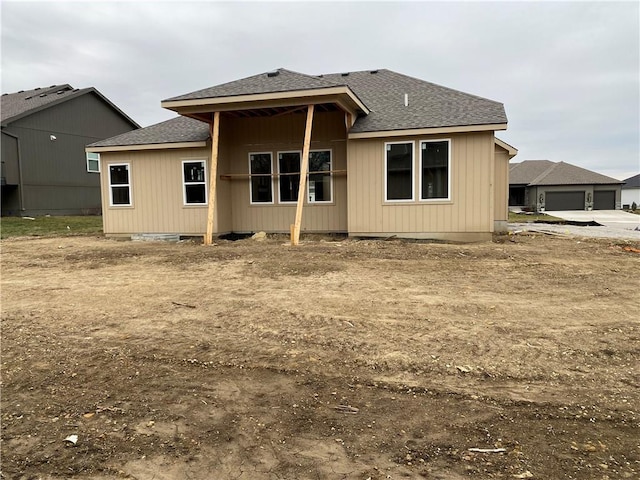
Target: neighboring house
(539, 185)
(389, 155)
(631, 192)
(45, 169)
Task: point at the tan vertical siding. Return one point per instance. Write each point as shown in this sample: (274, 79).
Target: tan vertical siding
(501, 185)
(468, 212)
(278, 134)
(156, 193)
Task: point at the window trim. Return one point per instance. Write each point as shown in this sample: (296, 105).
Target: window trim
(185, 183)
(93, 159)
(128, 185)
(322, 202)
(448, 197)
(299, 152)
(273, 197)
(413, 170)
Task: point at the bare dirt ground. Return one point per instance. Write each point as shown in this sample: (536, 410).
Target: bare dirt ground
(337, 359)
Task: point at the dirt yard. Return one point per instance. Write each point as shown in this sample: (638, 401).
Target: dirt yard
(334, 360)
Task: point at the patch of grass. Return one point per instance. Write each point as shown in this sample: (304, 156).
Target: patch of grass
(50, 226)
(532, 217)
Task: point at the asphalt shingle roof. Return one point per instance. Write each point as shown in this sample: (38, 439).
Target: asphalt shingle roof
(429, 105)
(26, 102)
(632, 182)
(176, 130)
(382, 91)
(16, 104)
(545, 172)
(284, 81)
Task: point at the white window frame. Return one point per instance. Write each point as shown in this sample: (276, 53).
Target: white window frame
(299, 152)
(448, 198)
(330, 178)
(273, 192)
(120, 185)
(93, 160)
(185, 183)
(413, 172)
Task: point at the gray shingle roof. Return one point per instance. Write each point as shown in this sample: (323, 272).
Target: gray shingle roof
(430, 105)
(284, 81)
(176, 130)
(545, 172)
(26, 102)
(382, 91)
(16, 104)
(632, 182)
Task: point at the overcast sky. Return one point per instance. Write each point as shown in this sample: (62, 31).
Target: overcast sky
(567, 73)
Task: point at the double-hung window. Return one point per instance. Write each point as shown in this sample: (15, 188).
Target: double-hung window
(93, 162)
(399, 171)
(194, 181)
(435, 169)
(261, 180)
(289, 176)
(319, 186)
(119, 185)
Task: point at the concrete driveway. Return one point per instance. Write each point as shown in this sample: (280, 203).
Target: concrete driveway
(609, 218)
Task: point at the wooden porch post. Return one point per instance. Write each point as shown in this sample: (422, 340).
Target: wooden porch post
(213, 175)
(304, 168)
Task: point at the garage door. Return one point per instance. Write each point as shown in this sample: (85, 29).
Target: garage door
(564, 201)
(604, 200)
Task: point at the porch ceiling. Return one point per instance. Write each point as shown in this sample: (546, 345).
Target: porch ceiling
(267, 111)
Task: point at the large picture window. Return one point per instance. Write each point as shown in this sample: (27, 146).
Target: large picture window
(399, 171)
(194, 180)
(434, 169)
(261, 181)
(289, 176)
(319, 186)
(93, 162)
(119, 185)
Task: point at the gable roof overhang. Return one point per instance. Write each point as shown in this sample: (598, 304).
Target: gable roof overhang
(275, 102)
(511, 150)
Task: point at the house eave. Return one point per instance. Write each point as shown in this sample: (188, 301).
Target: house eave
(149, 146)
(428, 131)
(287, 98)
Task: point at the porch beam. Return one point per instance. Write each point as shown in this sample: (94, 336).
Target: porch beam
(213, 176)
(304, 168)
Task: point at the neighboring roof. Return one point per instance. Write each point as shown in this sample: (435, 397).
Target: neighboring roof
(280, 80)
(429, 105)
(27, 102)
(632, 182)
(546, 172)
(381, 91)
(176, 130)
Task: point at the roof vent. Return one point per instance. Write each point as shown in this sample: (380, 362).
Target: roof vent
(37, 88)
(273, 73)
(27, 98)
(321, 75)
(60, 92)
(43, 95)
(373, 72)
(76, 89)
(4, 94)
(346, 74)
(20, 91)
(52, 86)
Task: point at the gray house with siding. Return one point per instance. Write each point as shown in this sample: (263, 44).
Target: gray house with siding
(45, 169)
(539, 185)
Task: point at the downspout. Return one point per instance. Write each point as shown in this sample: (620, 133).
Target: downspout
(20, 189)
